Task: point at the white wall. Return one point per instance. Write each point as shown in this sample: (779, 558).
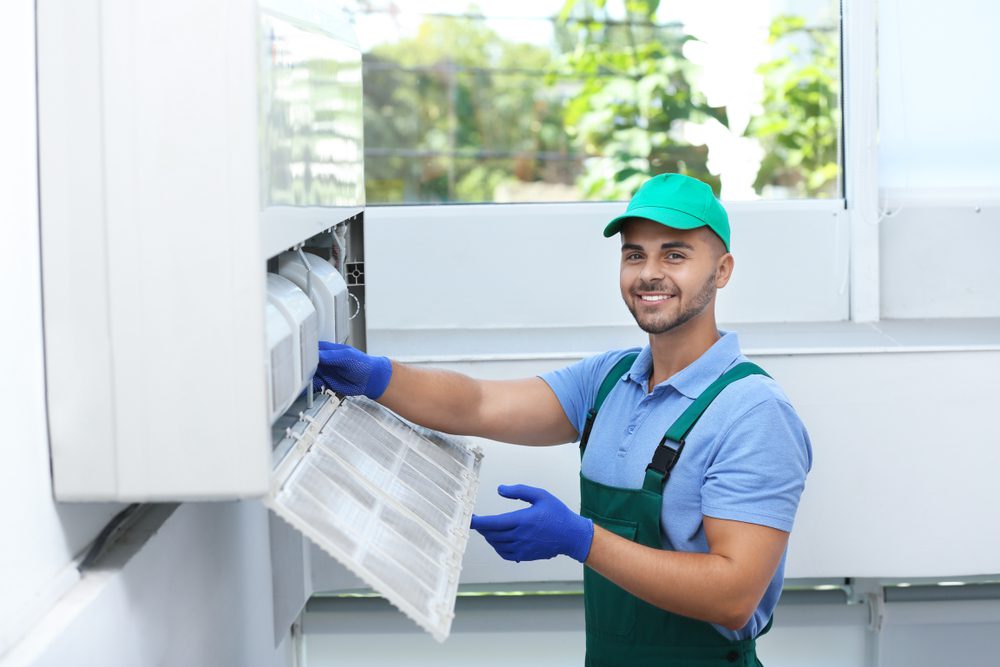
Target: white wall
(199, 592)
(903, 476)
(548, 265)
(939, 254)
(189, 586)
(40, 538)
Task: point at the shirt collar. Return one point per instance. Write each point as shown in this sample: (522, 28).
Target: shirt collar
(695, 378)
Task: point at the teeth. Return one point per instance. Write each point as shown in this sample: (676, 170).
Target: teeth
(655, 297)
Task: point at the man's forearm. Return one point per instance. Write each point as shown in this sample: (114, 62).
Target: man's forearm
(521, 411)
(722, 589)
(438, 399)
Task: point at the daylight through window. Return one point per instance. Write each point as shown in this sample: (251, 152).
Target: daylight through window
(568, 100)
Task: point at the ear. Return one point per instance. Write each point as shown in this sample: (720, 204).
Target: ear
(724, 270)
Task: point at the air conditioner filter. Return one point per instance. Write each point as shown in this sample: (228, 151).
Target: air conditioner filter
(389, 500)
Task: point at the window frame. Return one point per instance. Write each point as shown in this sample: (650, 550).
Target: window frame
(855, 215)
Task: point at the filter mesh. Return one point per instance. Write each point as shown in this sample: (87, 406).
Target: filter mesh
(390, 501)
(419, 505)
(433, 493)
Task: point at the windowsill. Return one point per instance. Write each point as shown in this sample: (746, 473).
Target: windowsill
(771, 338)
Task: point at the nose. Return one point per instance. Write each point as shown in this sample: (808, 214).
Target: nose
(652, 271)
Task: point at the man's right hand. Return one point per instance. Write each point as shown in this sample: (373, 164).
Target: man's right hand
(351, 372)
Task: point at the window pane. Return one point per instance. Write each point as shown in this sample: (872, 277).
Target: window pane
(556, 100)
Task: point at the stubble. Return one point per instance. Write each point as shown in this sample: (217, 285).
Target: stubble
(697, 307)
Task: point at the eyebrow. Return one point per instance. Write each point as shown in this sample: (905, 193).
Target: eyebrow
(665, 246)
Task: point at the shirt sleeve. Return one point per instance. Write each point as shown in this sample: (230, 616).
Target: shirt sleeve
(760, 469)
(576, 385)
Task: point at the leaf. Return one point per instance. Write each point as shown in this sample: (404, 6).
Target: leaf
(566, 10)
(798, 126)
(625, 173)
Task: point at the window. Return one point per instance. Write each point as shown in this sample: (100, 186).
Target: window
(568, 100)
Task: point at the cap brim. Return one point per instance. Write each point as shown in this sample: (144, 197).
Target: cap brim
(668, 217)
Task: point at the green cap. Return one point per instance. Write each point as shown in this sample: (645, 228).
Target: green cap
(678, 201)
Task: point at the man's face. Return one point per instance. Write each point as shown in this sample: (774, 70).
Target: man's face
(670, 276)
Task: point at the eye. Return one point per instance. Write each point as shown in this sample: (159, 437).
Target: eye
(675, 256)
(633, 256)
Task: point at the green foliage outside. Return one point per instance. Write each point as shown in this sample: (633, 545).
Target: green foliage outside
(634, 95)
(799, 128)
(457, 113)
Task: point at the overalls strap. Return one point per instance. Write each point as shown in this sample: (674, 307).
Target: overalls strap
(616, 373)
(669, 450)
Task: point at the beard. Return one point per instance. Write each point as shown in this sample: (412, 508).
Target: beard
(663, 324)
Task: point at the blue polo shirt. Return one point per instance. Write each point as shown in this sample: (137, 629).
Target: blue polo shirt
(745, 460)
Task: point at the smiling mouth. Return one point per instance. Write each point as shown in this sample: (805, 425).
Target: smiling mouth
(653, 298)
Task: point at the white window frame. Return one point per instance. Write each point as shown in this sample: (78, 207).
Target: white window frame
(838, 237)
(860, 163)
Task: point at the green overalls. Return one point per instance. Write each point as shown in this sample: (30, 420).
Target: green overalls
(621, 628)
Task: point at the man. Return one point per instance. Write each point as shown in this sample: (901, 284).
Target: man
(693, 458)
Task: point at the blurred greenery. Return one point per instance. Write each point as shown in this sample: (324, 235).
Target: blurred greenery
(455, 111)
(458, 113)
(636, 93)
(799, 127)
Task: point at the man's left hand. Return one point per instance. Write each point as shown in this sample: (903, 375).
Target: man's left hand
(544, 530)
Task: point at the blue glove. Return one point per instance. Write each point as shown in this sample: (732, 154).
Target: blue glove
(544, 530)
(351, 372)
